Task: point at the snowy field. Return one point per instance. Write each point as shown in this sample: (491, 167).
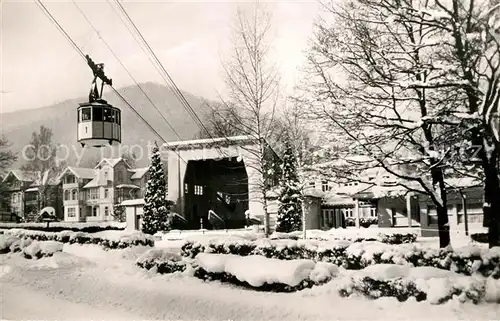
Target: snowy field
(84, 282)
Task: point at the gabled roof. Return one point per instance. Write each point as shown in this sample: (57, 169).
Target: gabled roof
(139, 172)
(79, 172)
(23, 176)
(112, 162)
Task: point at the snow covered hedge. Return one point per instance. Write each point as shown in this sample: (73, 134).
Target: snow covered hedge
(106, 239)
(91, 227)
(422, 283)
(263, 274)
(389, 238)
(355, 256)
(29, 248)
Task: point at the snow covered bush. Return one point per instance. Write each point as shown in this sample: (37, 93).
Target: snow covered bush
(357, 255)
(106, 239)
(164, 262)
(39, 249)
(6, 242)
(479, 237)
(367, 221)
(263, 274)
(403, 282)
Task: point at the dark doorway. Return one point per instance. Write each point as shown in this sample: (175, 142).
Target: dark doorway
(220, 186)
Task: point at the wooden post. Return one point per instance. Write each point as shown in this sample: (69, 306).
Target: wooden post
(464, 206)
(356, 210)
(408, 209)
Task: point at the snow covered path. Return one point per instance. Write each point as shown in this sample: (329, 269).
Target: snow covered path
(112, 288)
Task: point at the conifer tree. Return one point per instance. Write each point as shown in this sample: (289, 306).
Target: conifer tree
(156, 207)
(290, 206)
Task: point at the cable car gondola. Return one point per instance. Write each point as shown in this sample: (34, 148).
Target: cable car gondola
(99, 123)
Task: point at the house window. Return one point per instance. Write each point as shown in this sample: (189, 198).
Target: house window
(95, 211)
(93, 194)
(312, 184)
(106, 193)
(348, 212)
(106, 211)
(66, 195)
(325, 187)
(71, 212)
(373, 211)
(74, 194)
(198, 190)
(70, 179)
(106, 175)
(119, 176)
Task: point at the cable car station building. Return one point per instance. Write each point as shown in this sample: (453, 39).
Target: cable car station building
(218, 175)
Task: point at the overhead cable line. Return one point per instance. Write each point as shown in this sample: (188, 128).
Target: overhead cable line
(80, 52)
(126, 70)
(166, 76)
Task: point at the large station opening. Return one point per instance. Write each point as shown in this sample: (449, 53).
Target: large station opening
(215, 194)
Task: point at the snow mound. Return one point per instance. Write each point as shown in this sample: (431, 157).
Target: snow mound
(39, 249)
(257, 270)
(6, 242)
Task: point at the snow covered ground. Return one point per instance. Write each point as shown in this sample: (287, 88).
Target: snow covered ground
(85, 282)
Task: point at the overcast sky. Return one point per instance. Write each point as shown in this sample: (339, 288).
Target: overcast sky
(39, 67)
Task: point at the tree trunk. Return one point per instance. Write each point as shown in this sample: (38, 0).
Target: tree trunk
(443, 226)
(492, 203)
(441, 207)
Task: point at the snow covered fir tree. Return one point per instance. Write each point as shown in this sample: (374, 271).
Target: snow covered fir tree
(156, 206)
(290, 204)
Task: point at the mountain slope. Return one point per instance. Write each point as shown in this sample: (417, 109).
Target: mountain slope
(18, 126)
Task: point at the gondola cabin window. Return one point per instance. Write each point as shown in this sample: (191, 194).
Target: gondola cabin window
(85, 114)
(98, 114)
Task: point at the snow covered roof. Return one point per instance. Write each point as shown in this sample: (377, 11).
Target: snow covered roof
(127, 186)
(463, 182)
(210, 141)
(336, 199)
(96, 182)
(32, 189)
(139, 172)
(138, 201)
(23, 176)
(112, 162)
(79, 172)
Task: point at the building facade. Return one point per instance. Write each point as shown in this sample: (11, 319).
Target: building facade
(22, 193)
(91, 194)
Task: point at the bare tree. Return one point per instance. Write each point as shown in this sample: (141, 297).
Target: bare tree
(470, 42)
(41, 160)
(7, 158)
(395, 103)
(253, 89)
(223, 121)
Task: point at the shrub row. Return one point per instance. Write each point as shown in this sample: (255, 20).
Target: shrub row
(355, 256)
(402, 289)
(111, 243)
(29, 248)
(266, 287)
(55, 229)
